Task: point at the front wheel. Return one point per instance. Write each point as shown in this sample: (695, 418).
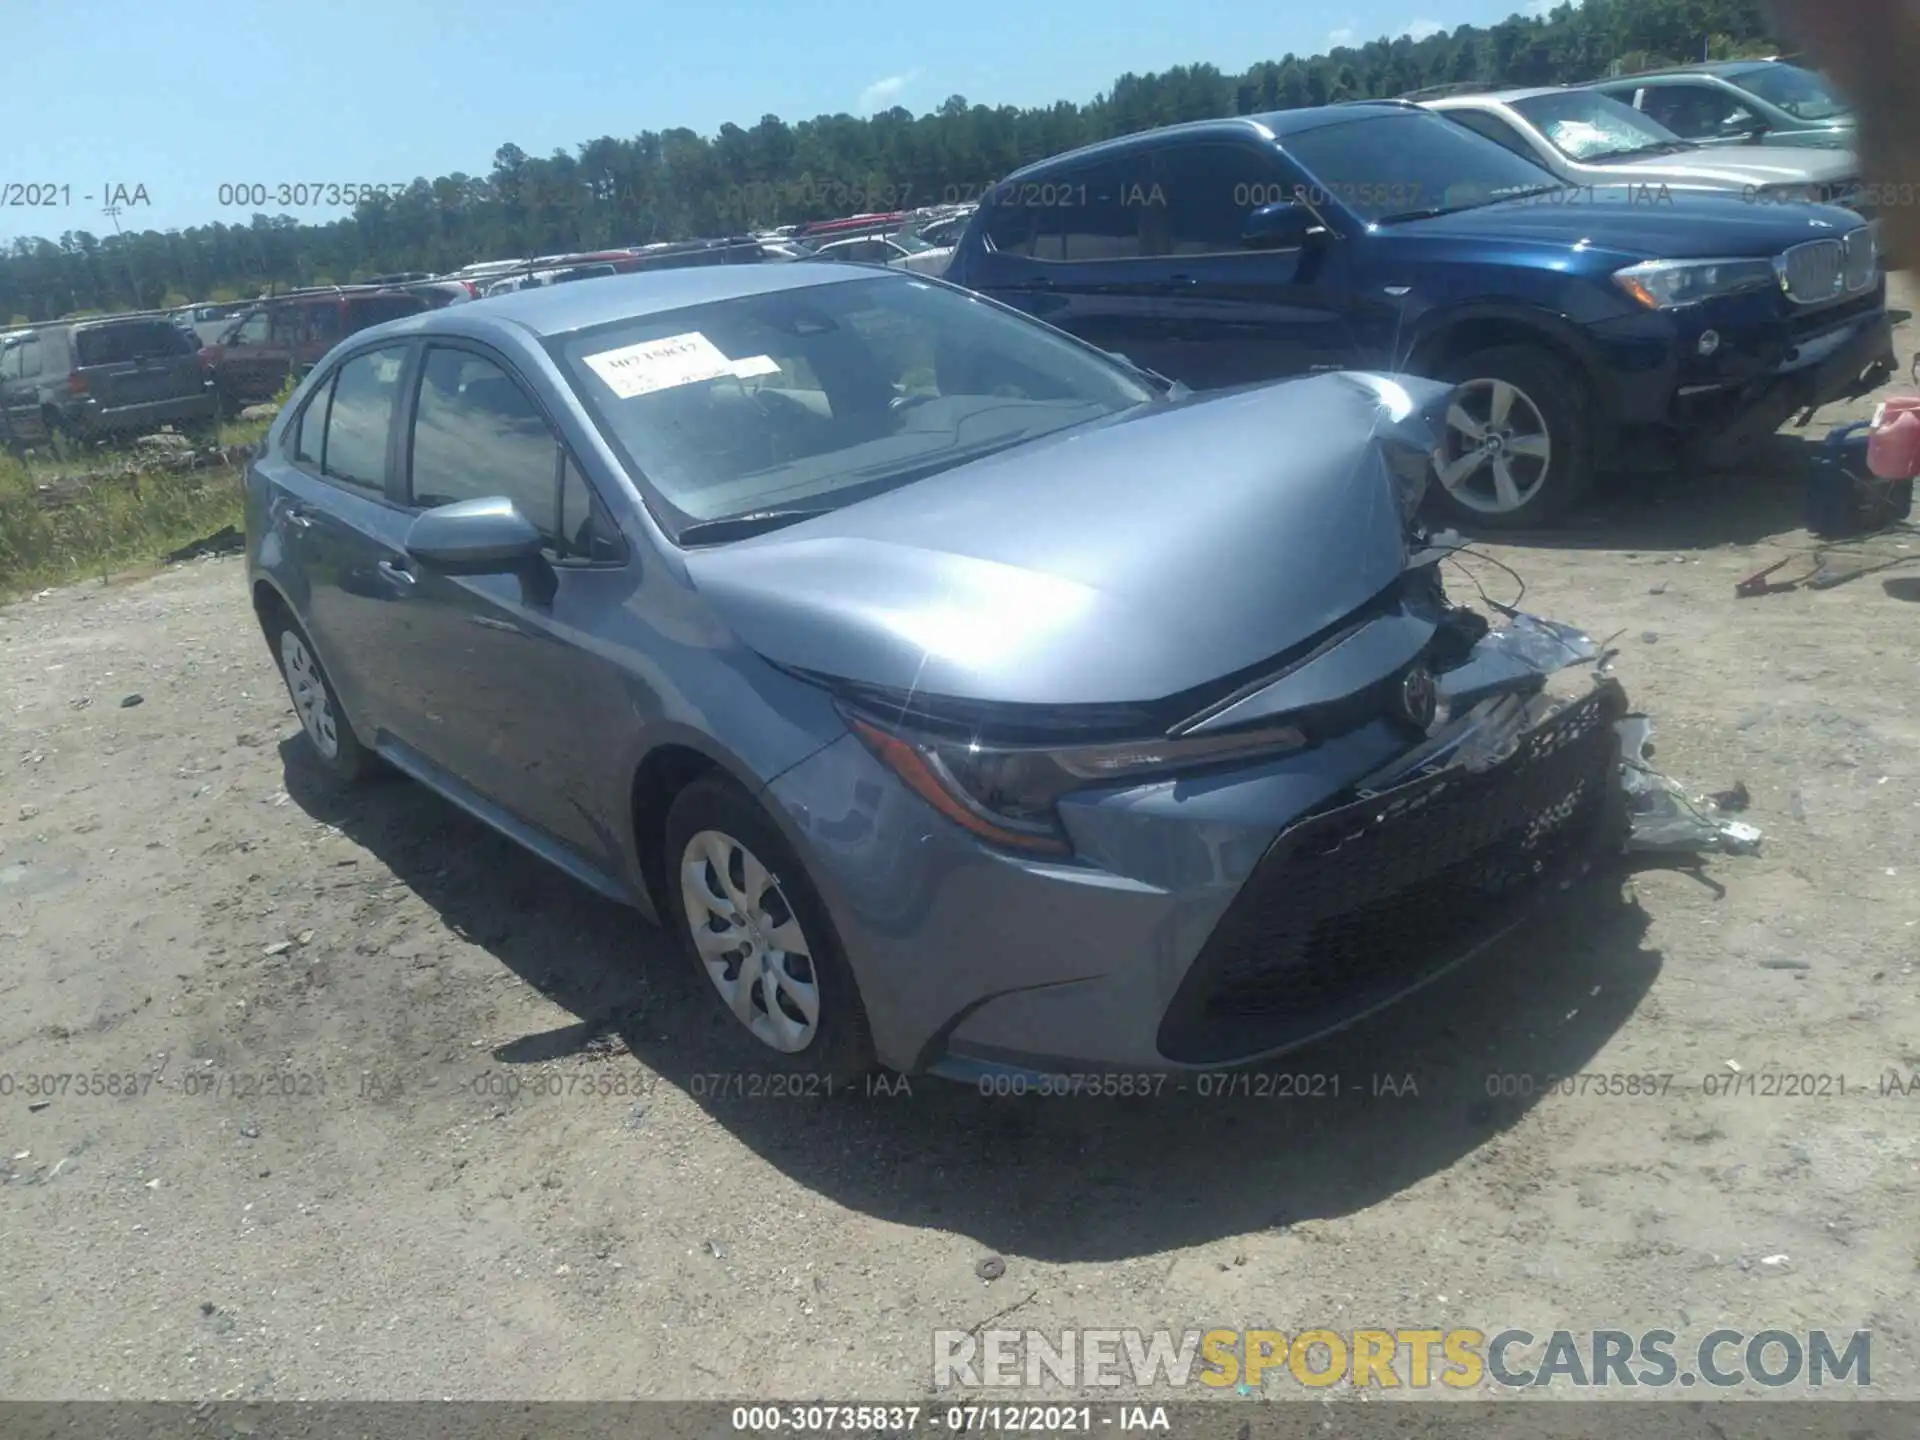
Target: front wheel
(753, 925)
(1517, 449)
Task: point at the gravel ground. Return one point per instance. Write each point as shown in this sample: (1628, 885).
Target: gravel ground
(414, 1117)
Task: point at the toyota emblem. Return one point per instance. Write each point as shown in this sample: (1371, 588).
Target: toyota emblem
(1419, 697)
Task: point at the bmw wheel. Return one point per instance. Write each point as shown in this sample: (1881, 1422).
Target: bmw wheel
(1516, 451)
(756, 929)
(329, 733)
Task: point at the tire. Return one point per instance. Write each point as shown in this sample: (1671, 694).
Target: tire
(712, 819)
(329, 734)
(1514, 489)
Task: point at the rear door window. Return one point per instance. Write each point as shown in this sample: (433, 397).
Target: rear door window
(1096, 211)
(126, 344)
(324, 325)
(360, 418)
(286, 324)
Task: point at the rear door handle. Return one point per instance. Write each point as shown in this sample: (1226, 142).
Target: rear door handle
(396, 573)
(298, 517)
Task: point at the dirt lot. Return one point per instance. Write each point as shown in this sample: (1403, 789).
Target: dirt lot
(415, 1117)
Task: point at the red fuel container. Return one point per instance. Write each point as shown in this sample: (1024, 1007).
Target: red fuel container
(1893, 444)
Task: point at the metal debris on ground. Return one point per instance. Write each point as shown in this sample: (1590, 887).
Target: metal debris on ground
(1664, 815)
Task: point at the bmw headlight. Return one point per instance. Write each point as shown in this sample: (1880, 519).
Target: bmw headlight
(1006, 794)
(1667, 284)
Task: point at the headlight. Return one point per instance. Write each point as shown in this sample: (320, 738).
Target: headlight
(1666, 284)
(1006, 794)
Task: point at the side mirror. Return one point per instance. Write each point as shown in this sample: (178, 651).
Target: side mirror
(488, 536)
(1282, 226)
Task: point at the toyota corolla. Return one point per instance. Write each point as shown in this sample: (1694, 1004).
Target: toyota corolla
(962, 697)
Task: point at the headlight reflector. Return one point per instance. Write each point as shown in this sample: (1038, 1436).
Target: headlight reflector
(1007, 795)
(1668, 284)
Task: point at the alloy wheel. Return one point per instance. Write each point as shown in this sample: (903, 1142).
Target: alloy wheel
(749, 941)
(309, 691)
(1496, 452)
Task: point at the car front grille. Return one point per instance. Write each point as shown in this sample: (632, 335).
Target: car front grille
(1358, 904)
(1863, 256)
(1823, 270)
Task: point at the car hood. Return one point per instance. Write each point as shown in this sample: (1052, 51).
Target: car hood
(1732, 171)
(1121, 563)
(1683, 225)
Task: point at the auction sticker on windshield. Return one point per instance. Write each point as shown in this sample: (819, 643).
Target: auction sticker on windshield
(660, 364)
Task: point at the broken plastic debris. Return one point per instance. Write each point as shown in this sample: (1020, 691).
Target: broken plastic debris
(1546, 645)
(1664, 816)
(1515, 658)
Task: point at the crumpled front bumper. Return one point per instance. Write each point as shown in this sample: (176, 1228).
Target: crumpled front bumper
(1219, 918)
(1841, 364)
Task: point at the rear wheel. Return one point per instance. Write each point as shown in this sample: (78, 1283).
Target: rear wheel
(327, 728)
(758, 932)
(1517, 450)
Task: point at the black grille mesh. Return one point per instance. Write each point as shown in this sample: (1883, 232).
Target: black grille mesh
(1357, 904)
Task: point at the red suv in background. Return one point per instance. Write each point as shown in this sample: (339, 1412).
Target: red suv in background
(286, 335)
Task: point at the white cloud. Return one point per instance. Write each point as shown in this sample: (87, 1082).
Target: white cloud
(1342, 36)
(1424, 29)
(882, 94)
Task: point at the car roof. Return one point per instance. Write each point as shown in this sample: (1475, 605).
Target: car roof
(1272, 125)
(1709, 67)
(561, 309)
(1504, 97)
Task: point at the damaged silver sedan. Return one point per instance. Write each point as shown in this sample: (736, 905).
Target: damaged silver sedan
(962, 697)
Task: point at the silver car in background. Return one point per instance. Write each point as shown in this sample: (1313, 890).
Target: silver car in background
(1592, 140)
(903, 251)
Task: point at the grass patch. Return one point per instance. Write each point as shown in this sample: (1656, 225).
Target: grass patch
(133, 515)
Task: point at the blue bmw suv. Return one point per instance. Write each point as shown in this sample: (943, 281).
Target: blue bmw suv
(1586, 329)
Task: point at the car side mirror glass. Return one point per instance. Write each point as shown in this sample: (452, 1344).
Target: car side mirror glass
(1279, 226)
(488, 536)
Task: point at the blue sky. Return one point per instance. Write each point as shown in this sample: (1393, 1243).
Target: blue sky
(182, 96)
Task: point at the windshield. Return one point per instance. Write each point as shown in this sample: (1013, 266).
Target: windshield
(910, 242)
(818, 396)
(1800, 93)
(1586, 125)
(1399, 164)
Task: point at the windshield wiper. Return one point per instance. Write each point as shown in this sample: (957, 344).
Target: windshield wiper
(1659, 147)
(1432, 210)
(741, 527)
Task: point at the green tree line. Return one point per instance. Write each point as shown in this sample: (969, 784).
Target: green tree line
(672, 184)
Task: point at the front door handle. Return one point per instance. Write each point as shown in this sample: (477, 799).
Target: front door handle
(397, 574)
(299, 519)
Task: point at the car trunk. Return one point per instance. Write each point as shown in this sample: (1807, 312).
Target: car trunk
(136, 363)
